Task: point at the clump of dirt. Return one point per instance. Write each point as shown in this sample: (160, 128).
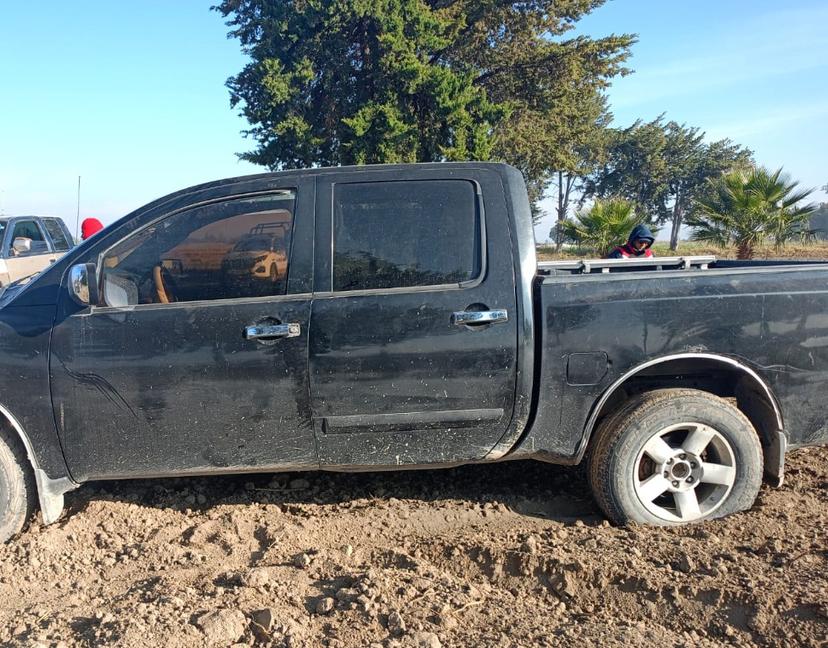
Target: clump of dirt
(510, 554)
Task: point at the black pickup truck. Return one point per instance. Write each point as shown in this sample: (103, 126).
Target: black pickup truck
(404, 323)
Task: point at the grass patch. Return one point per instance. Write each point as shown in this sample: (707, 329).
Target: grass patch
(806, 251)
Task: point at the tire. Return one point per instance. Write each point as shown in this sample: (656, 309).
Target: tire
(18, 492)
(675, 456)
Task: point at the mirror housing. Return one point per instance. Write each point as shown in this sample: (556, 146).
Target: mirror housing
(22, 245)
(83, 284)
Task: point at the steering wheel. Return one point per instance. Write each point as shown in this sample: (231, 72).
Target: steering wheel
(162, 292)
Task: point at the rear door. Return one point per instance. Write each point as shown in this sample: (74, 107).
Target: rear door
(413, 335)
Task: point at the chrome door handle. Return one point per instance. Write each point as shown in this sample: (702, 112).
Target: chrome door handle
(264, 331)
(461, 318)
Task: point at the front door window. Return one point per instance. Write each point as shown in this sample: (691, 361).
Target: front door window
(29, 230)
(233, 250)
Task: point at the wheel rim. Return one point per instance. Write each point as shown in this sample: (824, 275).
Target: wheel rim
(684, 472)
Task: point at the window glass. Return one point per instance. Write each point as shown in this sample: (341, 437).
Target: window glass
(404, 234)
(229, 250)
(29, 229)
(56, 232)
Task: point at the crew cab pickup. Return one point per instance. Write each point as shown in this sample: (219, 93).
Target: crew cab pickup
(414, 328)
(30, 243)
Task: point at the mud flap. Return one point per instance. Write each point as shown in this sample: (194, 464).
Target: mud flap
(50, 494)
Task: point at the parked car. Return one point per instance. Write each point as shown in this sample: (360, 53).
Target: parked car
(29, 244)
(415, 329)
(258, 257)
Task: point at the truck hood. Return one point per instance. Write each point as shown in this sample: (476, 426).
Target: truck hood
(12, 291)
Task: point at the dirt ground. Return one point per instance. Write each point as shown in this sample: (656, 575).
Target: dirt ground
(510, 554)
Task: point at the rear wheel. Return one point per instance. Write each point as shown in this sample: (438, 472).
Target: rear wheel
(675, 456)
(17, 487)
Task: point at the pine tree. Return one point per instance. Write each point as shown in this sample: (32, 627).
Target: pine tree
(368, 81)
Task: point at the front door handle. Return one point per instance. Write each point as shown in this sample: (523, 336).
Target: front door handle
(461, 318)
(271, 331)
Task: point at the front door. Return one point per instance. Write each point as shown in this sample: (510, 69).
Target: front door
(398, 376)
(196, 358)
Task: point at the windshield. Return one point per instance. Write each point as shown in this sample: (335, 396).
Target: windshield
(253, 244)
(2, 228)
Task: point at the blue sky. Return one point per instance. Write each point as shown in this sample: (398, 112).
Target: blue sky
(131, 96)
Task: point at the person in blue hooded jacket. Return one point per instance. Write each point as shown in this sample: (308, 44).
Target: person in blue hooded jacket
(638, 244)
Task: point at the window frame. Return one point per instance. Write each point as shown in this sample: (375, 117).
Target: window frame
(480, 213)
(103, 307)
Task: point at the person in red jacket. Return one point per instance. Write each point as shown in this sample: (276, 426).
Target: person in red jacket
(637, 245)
(90, 227)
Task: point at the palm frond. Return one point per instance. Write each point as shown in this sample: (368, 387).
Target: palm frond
(747, 206)
(604, 225)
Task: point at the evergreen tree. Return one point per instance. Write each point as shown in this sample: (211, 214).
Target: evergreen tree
(662, 167)
(368, 81)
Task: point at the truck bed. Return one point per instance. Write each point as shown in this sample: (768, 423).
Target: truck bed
(600, 319)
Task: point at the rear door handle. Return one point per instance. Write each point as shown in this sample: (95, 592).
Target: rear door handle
(272, 331)
(461, 318)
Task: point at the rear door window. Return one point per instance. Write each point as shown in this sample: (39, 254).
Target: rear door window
(57, 234)
(405, 234)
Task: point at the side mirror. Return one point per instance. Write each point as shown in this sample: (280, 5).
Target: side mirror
(83, 284)
(22, 245)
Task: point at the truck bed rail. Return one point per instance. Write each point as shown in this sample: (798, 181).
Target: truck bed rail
(595, 266)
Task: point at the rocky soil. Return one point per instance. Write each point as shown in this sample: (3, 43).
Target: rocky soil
(512, 554)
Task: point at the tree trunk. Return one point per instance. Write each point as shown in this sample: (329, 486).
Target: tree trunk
(563, 207)
(677, 214)
(558, 222)
(744, 250)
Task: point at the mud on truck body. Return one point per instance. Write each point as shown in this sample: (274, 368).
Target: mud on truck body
(412, 327)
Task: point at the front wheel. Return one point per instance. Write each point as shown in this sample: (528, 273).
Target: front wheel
(17, 487)
(675, 456)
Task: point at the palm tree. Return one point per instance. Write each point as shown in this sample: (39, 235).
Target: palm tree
(604, 225)
(748, 207)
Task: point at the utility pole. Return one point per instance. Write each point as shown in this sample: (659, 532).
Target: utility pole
(77, 216)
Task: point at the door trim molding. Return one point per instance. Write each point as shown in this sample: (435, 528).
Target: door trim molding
(406, 421)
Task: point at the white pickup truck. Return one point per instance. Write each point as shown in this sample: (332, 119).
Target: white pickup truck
(29, 244)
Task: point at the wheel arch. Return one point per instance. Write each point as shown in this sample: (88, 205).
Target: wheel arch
(49, 491)
(719, 374)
